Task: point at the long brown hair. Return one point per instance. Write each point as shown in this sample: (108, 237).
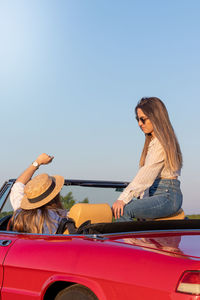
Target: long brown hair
(157, 113)
(33, 220)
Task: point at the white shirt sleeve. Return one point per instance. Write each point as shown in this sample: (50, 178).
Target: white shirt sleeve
(16, 194)
(147, 174)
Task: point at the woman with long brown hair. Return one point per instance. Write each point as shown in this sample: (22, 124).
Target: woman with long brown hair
(36, 201)
(155, 190)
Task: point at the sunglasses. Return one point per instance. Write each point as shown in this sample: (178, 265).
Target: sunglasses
(141, 119)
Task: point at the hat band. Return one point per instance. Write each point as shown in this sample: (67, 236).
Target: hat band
(44, 195)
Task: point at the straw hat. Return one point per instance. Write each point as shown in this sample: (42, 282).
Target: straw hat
(40, 190)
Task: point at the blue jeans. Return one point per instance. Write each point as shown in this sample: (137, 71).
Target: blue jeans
(165, 198)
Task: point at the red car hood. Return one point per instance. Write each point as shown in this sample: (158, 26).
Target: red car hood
(173, 244)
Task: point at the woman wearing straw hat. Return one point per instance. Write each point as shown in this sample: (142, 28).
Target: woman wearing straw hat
(37, 201)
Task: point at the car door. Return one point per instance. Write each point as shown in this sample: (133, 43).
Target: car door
(6, 241)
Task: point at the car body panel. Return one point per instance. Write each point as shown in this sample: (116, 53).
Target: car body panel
(180, 244)
(36, 261)
(6, 242)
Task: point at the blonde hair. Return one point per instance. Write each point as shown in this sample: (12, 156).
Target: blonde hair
(32, 220)
(157, 113)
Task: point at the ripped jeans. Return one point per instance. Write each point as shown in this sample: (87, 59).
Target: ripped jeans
(165, 199)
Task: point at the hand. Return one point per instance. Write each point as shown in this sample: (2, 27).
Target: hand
(44, 159)
(118, 208)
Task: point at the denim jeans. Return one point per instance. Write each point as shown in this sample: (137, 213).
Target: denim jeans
(165, 198)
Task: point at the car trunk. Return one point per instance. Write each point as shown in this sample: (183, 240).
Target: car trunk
(170, 243)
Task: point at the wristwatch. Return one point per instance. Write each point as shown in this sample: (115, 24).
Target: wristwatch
(35, 164)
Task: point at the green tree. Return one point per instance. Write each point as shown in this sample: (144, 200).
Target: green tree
(68, 201)
(84, 201)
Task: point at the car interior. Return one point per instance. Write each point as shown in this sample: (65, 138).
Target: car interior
(97, 219)
(88, 218)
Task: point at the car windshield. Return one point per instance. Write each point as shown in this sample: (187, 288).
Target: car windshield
(77, 194)
(74, 191)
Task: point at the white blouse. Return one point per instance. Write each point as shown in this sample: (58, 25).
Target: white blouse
(16, 195)
(154, 167)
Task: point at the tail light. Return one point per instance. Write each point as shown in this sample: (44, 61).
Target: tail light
(189, 283)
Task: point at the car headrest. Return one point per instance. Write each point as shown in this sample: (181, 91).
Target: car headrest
(96, 213)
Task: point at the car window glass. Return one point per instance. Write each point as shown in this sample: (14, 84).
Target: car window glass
(7, 208)
(74, 194)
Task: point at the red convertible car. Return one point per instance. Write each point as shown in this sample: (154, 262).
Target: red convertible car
(158, 260)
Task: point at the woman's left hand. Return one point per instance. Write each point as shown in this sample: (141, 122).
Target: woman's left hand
(44, 159)
(118, 208)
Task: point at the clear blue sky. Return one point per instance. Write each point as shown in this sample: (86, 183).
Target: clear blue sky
(72, 71)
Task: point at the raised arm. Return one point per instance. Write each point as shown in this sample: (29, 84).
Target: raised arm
(17, 191)
(43, 159)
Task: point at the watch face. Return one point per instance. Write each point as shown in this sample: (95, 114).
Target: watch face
(35, 164)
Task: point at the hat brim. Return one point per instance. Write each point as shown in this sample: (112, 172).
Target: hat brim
(27, 205)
